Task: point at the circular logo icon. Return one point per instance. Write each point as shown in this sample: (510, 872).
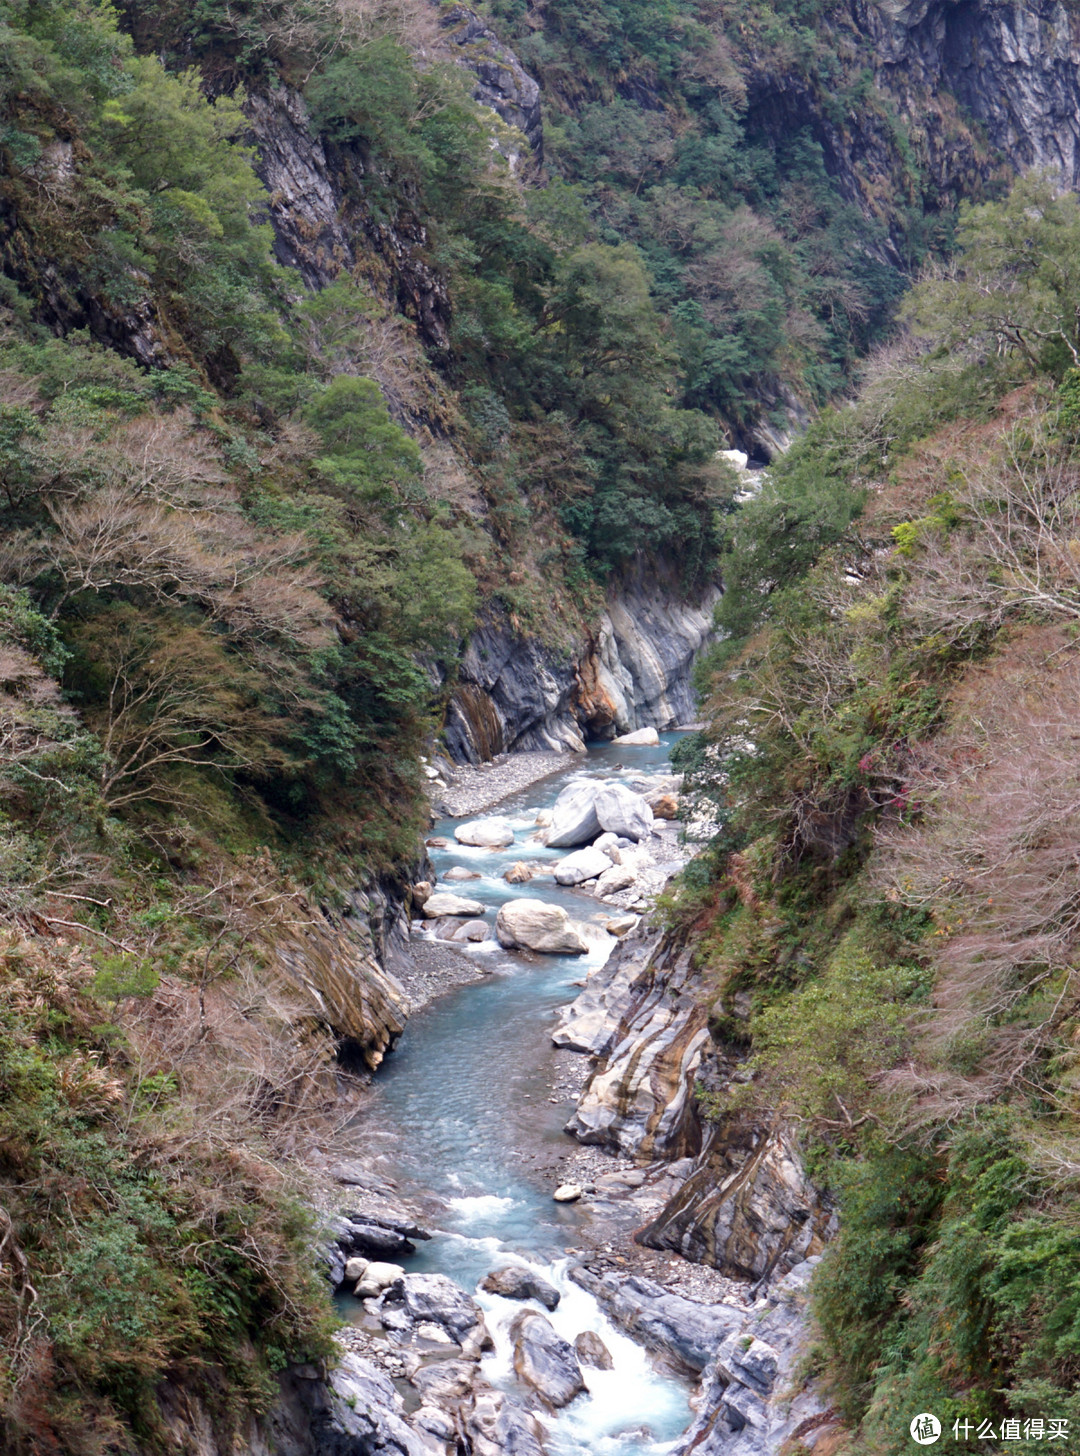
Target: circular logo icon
(925, 1429)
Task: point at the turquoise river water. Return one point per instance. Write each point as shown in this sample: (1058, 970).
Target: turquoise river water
(463, 1112)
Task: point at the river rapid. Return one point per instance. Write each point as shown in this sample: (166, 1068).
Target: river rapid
(465, 1117)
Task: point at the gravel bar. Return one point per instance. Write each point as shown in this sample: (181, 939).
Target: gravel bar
(476, 787)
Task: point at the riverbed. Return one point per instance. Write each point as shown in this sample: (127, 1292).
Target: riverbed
(466, 1116)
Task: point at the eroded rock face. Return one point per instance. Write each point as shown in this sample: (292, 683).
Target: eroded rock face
(502, 83)
(320, 225)
(343, 968)
(590, 1022)
(517, 693)
(747, 1209)
(752, 1403)
(537, 926)
(364, 1414)
(1014, 67)
(636, 672)
(640, 1097)
(514, 694)
(544, 1360)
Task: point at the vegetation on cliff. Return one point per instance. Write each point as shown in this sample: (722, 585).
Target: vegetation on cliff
(245, 528)
(892, 738)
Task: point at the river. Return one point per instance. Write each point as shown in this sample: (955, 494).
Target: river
(464, 1111)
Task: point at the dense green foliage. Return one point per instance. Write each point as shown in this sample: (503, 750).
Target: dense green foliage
(245, 534)
(896, 800)
(766, 275)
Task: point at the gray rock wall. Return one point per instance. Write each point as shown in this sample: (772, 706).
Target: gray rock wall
(515, 692)
(1015, 67)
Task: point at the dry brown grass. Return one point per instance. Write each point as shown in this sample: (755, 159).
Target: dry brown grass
(997, 861)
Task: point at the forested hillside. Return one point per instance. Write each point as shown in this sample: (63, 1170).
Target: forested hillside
(894, 884)
(253, 505)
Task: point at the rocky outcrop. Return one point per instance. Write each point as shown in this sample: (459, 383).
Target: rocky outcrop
(1014, 67)
(639, 1098)
(637, 670)
(342, 967)
(687, 1332)
(747, 1208)
(322, 224)
(502, 83)
(753, 1401)
(515, 692)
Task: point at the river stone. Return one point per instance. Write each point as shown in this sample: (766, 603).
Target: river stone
(421, 892)
(382, 1275)
(470, 930)
(535, 925)
(544, 818)
(459, 872)
(354, 1269)
(567, 1193)
(493, 833)
(640, 738)
(665, 806)
(623, 812)
(573, 819)
(591, 1350)
(621, 925)
(435, 1298)
(447, 904)
(582, 865)
(608, 843)
(544, 1360)
(518, 873)
(437, 843)
(517, 1281)
(617, 877)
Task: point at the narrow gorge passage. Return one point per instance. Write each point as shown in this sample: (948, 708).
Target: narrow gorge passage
(464, 1117)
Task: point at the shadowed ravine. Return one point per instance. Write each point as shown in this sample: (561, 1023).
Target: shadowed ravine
(463, 1115)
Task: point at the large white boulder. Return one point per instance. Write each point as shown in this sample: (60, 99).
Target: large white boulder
(640, 738)
(582, 865)
(535, 925)
(616, 877)
(493, 833)
(623, 812)
(573, 818)
(444, 903)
